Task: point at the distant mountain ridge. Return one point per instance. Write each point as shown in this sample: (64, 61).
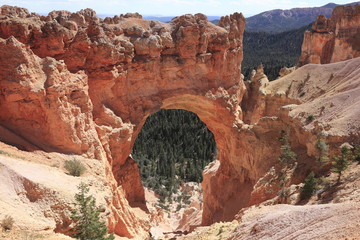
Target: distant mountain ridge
(278, 20)
(273, 21)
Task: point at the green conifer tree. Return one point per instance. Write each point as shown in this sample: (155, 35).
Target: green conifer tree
(86, 217)
(287, 155)
(357, 154)
(309, 187)
(341, 163)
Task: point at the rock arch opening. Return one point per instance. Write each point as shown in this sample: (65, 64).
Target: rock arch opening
(219, 189)
(173, 148)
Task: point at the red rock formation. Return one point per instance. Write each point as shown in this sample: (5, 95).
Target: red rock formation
(39, 95)
(334, 39)
(74, 83)
(121, 70)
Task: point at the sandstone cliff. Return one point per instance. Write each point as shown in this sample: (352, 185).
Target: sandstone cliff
(333, 39)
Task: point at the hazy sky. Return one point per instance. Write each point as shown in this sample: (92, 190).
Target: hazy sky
(167, 7)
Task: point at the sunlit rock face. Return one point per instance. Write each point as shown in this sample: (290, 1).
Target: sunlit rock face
(334, 39)
(75, 83)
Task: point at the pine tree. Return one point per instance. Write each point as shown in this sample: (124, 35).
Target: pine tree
(309, 186)
(86, 217)
(173, 147)
(357, 154)
(287, 155)
(341, 163)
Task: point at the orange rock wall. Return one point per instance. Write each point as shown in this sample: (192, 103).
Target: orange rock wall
(74, 83)
(334, 39)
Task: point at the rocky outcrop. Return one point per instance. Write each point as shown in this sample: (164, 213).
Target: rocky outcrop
(335, 207)
(333, 39)
(254, 106)
(39, 95)
(131, 68)
(74, 83)
(286, 71)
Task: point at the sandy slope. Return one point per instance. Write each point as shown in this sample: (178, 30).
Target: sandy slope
(333, 215)
(329, 92)
(37, 195)
(282, 222)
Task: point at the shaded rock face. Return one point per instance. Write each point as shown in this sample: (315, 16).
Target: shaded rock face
(333, 39)
(41, 95)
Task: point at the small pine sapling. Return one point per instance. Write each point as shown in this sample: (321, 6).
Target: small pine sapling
(86, 217)
(341, 163)
(309, 187)
(357, 154)
(287, 155)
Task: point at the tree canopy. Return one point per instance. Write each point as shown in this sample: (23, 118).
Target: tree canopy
(173, 146)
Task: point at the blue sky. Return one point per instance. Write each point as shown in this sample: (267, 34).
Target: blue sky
(168, 7)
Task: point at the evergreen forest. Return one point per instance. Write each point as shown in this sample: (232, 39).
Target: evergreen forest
(173, 147)
(273, 50)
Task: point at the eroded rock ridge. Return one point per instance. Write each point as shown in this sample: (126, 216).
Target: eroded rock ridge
(75, 83)
(333, 39)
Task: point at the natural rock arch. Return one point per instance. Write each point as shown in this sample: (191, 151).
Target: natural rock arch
(200, 74)
(73, 83)
(220, 122)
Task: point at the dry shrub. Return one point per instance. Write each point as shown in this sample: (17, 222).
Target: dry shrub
(74, 167)
(7, 223)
